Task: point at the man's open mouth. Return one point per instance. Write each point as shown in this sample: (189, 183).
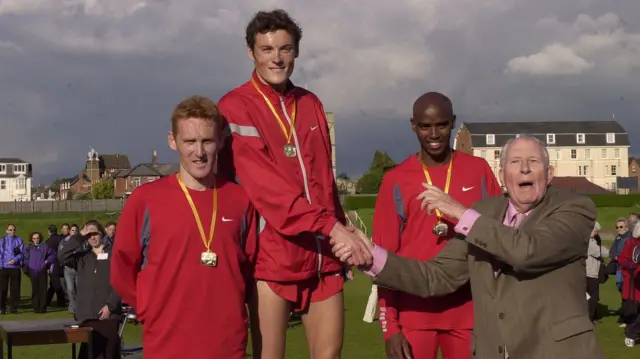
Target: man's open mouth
(526, 184)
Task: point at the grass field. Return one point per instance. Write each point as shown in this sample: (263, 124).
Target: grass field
(362, 340)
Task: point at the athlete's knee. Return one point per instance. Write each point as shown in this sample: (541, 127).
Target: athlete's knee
(273, 347)
(326, 352)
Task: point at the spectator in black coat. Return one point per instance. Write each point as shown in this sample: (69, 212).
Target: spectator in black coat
(57, 284)
(98, 306)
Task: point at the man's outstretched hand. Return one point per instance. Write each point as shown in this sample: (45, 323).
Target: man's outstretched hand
(352, 245)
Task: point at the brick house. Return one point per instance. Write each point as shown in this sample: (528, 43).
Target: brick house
(104, 166)
(633, 167)
(127, 180)
(73, 186)
(634, 173)
(98, 167)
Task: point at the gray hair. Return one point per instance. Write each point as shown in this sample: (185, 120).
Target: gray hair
(623, 220)
(503, 153)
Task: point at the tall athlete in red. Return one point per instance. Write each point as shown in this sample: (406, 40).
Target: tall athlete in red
(185, 246)
(414, 327)
(282, 157)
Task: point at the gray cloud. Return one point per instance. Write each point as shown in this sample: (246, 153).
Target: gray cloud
(106, 73)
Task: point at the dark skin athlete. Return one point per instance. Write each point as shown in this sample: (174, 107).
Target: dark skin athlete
(432, 122)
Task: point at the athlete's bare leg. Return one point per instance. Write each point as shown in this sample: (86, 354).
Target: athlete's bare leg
(274, 318)
(324, 327)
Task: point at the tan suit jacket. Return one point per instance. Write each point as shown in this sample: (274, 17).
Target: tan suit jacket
(536, 306)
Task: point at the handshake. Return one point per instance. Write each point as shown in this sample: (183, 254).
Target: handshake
(351, 246)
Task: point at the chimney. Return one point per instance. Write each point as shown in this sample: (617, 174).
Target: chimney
(154, 159)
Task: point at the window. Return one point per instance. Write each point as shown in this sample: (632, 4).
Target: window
(21, 183)
(491, 139)
(19, 168)
(614, 186)
(135, 182)
(614, 170)
(574, 154)
(483, 154)
(604, 153)
(3, 168)
(580, 138)
(583, 170)
(551, 138)
(3, 184)
(616, 153)
(606, 170)
(587, 154)
(611, 138)
(496, 155)
(558, 155)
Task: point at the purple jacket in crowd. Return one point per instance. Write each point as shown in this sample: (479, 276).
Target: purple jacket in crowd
(11, 248)
(38, 259)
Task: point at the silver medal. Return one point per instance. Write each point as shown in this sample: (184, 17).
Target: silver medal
(440, 229)
(290, 150)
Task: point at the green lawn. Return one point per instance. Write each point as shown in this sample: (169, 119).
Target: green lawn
(362, 340)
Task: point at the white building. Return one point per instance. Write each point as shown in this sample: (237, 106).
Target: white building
(15, 180)
(596, 150)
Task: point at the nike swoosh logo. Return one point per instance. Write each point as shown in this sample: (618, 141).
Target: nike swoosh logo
(226, 219)
(313, 128)
(465, 189)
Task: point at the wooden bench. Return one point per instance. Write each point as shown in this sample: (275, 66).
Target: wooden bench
(42, 332)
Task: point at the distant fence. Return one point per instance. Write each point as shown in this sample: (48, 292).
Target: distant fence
(94, 205)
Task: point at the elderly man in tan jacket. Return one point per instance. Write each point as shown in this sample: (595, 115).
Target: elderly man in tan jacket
(524, 255)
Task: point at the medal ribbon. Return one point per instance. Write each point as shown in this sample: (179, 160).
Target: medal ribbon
(287, 134)
(196, 215)
(446, 185)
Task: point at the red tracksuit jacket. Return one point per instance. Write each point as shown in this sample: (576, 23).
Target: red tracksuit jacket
(188, 310)
(630, 289)
(400, 226)
(278, 186)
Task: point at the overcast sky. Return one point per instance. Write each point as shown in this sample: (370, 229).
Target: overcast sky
(106, 73)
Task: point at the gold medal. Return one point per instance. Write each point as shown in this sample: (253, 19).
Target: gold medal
(290, 150)
(441, 229)
(207, 258)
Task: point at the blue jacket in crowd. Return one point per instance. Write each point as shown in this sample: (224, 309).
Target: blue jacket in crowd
(618, 244)
(38, 258)
(11, 248)
(616, 249)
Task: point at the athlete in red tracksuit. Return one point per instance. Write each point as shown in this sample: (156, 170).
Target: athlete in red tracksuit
(282, 157)
(189, 289)
(400, 226)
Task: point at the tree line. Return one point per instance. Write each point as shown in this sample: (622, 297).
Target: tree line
(371, 180)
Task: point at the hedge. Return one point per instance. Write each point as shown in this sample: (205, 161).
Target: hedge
(600, 200)
(615, 200)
